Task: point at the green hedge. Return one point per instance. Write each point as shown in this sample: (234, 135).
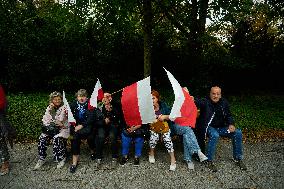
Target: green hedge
(253, 113)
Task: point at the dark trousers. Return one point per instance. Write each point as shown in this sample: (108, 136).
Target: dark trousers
(76, 142)
(112, 131)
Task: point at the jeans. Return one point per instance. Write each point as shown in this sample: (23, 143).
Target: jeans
(126, 142)
(190, 144)
(215, 133)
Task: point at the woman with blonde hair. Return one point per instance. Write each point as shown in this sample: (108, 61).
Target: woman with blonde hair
(56, 127)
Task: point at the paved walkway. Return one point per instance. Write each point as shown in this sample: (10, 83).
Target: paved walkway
(265, 162)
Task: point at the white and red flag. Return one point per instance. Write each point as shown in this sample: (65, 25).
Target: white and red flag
(137, 104)
(96, 96)
(184, 110)
(70, 116)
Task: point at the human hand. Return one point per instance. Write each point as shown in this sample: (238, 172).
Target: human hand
(231, 128)
(162, 117)
(107, 120)
(78, 127)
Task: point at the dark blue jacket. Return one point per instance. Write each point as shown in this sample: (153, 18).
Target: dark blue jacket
(206, 107)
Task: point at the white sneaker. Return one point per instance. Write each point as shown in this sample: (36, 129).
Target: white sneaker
(61, 163)
(201, 156)
(173, 166)
(151, 159)
(39, 164)
(190, 165)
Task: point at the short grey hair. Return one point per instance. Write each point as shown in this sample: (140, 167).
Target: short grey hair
(53, 95)
(81, 92)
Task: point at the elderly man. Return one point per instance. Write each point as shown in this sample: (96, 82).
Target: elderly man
(216, 120)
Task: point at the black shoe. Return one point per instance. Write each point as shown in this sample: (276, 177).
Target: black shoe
(73, 168)
(93, 157)
(123, 160)
(195, 157)
(136, 162)
(241, 164)
(211, 166)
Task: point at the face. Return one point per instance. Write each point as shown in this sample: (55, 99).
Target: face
(57, 101)
(107, 98)
(81, 99)
(215, 94)
(155, 100)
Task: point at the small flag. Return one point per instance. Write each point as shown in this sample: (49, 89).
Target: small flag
(70, 116)
(96, 96)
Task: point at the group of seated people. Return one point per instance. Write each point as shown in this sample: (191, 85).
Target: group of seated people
(106, 120)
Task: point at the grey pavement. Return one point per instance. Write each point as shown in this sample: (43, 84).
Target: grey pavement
(265, 162)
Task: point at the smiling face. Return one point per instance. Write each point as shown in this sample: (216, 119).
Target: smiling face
(57, 101)
(215, 94)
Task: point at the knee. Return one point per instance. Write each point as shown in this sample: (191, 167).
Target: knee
(214, 136)
(238, 133)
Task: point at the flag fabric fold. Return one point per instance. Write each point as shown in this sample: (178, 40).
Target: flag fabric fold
(137, 104)
(70, 116)
(184, 110)
(96, 96)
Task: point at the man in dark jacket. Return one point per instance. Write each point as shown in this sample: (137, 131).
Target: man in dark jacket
(216, 120)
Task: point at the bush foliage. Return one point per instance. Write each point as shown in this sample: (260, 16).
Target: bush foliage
(251, 113)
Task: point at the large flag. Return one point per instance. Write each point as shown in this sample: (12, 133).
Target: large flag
(96, 96)
(184, 110)
(70, 116)
(137, 104)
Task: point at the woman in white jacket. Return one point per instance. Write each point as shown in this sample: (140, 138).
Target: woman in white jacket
(56, 127)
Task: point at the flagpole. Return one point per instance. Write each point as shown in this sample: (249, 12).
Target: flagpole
(117, 91)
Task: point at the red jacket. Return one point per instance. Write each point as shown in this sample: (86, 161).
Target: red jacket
(3, 100)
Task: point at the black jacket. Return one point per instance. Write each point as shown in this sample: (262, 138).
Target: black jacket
(206, 108)
(91, 118)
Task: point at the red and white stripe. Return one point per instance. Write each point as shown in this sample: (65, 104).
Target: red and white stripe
(70, 116)
(137, 104)
(96, 96)
(184, 110)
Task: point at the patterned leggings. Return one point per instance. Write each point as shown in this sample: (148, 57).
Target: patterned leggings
(59, 147)
(166, 138)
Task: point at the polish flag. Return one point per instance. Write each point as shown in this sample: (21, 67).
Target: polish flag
(96, 96)
(184, 110)
(137, 104)
(70, 116)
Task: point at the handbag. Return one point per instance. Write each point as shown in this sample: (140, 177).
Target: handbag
(50, 130)
(160, 127)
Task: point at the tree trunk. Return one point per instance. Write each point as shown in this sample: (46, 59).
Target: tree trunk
(147, 29)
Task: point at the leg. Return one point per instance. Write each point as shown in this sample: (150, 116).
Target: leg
(59, 149)
(212, 143)
(4, 157)
(237, 139)
(99, 140)
(169, 146)
(4, 153)
(125, 144)
(113, 133)
(154, 137)
(42, 146)
(139, 142)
